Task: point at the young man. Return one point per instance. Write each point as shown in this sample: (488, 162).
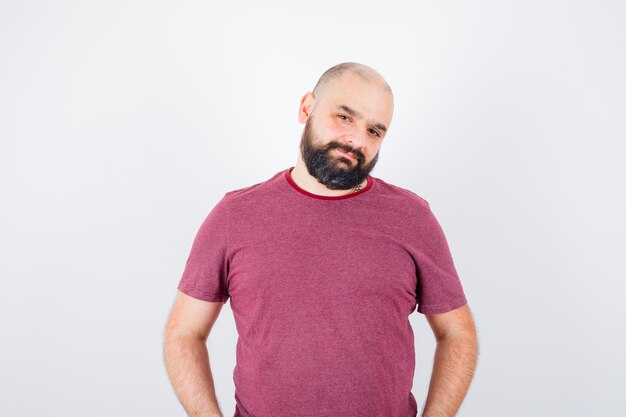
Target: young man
(323, 264)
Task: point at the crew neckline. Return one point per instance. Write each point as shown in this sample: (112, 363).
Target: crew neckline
(287, 174)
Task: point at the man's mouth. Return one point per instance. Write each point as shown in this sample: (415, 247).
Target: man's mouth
(347, 154)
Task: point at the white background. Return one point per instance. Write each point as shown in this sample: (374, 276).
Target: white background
(122, 123)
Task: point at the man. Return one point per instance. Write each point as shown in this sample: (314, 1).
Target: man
(323, 263)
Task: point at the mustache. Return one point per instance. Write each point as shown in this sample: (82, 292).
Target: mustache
(345, 148)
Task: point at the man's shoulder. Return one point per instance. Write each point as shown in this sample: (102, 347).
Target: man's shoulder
(256, 190)
(399, 193)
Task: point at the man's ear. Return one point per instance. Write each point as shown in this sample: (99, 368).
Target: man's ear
(306, 106)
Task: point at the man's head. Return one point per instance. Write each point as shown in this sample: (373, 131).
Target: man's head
(349, 110)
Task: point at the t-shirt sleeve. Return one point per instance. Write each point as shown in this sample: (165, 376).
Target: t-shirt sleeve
(439, 288)
(206, 270)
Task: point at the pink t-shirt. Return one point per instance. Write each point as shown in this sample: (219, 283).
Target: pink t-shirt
(321, 290)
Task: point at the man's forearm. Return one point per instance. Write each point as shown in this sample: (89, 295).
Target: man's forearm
(453, 369)
(187, 363)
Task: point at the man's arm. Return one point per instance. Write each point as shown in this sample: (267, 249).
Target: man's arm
(186, 355)
(455, 361)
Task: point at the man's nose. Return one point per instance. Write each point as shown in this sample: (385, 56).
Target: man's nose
(356, 139)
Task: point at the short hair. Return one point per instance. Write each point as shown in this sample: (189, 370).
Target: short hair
(338, 70)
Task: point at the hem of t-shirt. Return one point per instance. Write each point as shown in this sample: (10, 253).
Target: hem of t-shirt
(443, 307)
(202, 295)
(287, 175)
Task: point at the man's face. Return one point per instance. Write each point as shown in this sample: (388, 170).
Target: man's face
(328, 165)
(351, 117)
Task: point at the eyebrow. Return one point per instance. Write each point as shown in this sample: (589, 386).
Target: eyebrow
(358, 115)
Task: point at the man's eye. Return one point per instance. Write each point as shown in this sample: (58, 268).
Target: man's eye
(341, 116)
(374, 132)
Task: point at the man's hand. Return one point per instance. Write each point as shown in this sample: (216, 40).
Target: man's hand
(455, 361)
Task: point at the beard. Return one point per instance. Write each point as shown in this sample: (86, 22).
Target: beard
(335, 172)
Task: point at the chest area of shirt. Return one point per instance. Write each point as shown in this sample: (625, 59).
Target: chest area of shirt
(304, 261)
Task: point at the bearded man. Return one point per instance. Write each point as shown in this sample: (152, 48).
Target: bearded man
(323, 263)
